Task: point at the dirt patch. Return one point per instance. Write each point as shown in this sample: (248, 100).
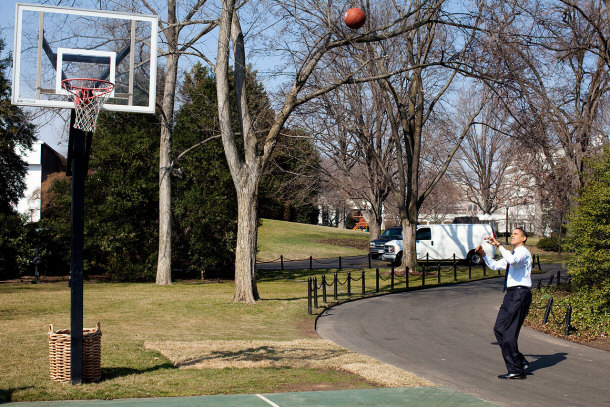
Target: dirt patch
(353, 243)
(302, 353)
(307, 328)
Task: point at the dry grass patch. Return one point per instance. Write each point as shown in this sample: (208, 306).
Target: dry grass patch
(302, 353)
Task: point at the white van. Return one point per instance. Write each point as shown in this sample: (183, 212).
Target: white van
(441, 242)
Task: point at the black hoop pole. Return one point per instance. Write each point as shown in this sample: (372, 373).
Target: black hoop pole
(79, 159)
(392, 279)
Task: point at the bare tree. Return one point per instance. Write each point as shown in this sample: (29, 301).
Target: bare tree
(334, 119)
(555, 77)
(484, 155)
(179, 36)
(314, 23)
(437, 52)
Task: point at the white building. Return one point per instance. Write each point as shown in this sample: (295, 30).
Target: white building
(42, 160)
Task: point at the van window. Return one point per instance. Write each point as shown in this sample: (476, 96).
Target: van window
(423, 234)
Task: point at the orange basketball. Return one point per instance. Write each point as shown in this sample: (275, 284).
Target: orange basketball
(354, 18)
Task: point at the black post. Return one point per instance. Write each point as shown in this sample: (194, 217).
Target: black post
(315, 292)
(558, 278)
(427, 259)
(454, 268)
(539, 268)
(339, 262)
(539, 284)
(407, 276)
(335, 284)
(369, 260)
(363, 287)
(324, 288)
(423, 274)
(377, 280)
(79, 170)
(309, 295)
(438, 273)
(551, 280)
(484, 269)
(469, 271)
(568, 319)
(549, 305)
(36, 263)
(310, 263)
(392, 278)
(349, 283)
(281, 262)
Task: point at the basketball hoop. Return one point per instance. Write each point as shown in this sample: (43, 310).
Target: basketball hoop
(89, 95)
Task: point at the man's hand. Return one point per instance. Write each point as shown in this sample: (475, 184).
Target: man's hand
(480, 250)
(492, 241)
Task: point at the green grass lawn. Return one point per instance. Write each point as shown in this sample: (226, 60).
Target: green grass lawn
(132, 314)
(297, 241)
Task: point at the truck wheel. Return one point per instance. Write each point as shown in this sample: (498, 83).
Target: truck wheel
(397, 260)
(475, 258)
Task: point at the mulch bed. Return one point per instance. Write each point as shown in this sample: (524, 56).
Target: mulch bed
(353, 243)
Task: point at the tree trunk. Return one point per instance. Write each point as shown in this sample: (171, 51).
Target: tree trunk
(409, 251)
(164, 260)
(374, 223)
(245, 251)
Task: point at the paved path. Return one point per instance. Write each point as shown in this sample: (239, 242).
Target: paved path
(329, 263)
(445, 334)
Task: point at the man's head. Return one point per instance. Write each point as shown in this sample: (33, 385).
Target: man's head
(518, 237)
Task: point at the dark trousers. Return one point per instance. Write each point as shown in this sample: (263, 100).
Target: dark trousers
(510, 318)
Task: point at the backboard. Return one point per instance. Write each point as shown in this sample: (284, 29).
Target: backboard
(57, 43)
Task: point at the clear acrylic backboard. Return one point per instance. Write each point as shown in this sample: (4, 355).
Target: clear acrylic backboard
(57, 43)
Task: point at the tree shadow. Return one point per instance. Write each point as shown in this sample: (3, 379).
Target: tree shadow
(109, 373)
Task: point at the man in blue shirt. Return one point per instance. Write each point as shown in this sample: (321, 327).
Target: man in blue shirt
(516, 304)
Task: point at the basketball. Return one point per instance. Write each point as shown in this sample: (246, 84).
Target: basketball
(354, 18)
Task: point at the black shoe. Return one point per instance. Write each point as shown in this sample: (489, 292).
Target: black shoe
(526, 364)
(512, 376)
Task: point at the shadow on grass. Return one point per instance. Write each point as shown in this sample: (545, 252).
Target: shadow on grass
(6, 395)
(109, 373)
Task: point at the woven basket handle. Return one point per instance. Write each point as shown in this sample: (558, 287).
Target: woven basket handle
(50, 328)
(97, 327)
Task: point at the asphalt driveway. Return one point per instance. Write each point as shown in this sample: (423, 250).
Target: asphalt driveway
(445, 334)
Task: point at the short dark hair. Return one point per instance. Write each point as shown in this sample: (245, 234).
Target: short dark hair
(523, 231)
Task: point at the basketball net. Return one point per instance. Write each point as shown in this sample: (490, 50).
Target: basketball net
(88, 95)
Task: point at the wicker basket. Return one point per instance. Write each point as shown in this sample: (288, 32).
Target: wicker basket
(59, 354)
